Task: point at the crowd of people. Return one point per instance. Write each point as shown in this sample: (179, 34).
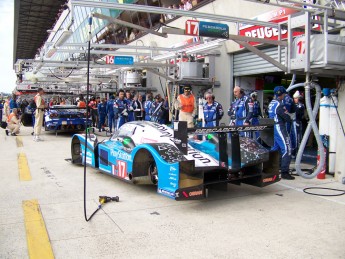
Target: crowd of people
(127, 107)
(111, 114)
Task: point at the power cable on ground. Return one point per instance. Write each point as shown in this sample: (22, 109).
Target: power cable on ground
(305, 190)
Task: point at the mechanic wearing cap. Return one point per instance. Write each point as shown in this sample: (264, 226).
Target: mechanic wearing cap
(213, 111)
(185, 103)
(278, 112)
(120, 109)
(297, 123)
(157, 109)
(256, 113)
(242, 108)
(110, 112)
(290, 107)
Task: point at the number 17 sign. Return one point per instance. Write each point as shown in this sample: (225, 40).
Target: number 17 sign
(207, 29)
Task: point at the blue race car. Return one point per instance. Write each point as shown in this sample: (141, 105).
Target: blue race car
(181, 166)
(65, 118)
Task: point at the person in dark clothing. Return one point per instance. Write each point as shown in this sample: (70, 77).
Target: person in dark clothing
(279, 113)
(102, 113)
(138, 108)
(297, 123)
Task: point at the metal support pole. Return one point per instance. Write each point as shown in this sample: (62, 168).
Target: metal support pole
(160, 10)
(325, 34)
(307, 42)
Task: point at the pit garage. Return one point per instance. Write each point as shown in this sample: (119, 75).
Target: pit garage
(151, 190)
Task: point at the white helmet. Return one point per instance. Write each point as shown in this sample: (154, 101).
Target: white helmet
(297, 94)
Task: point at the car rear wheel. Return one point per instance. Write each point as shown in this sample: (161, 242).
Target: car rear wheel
(153, 172)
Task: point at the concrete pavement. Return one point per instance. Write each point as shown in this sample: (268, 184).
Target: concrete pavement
(278, 221)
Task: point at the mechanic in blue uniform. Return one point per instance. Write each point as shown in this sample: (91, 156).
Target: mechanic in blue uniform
(290, 107)
(297, 123)
(130, 106)
(231, 113)
(242, 109)
(156, 109)
(13, 103)
(102, 113)
(256, 113)
(213, 111)
(32, 109)
(120, 109)
(110, 112)
(147, 107)
(278, 112)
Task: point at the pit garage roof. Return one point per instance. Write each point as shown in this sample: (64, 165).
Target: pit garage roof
(32, 19)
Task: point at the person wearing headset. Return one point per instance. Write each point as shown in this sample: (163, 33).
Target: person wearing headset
(213, 111)
(278, 112)
(242, 109)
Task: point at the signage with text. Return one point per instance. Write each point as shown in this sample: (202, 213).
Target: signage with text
(258, 31)
(207, 29)
(119, 60)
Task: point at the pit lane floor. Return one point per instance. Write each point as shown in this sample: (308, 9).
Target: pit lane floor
(278, 221)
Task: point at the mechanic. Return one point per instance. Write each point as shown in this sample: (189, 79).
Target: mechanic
(231, 114)
(147, 107)
(110, 113)
(1, 107)
(290, 107)
(7, 107)
(13, 103)
(242, 109)
(297, 123)
(256, 113)
(130, 108)
(185, 103)
(138, 107)
(213, 111)
(94, 112)
(13, 124)
(40, 105)
(157, 109)
(81, 103)
(279, 113)
(32, 109)
(102, 113)
(120, 109)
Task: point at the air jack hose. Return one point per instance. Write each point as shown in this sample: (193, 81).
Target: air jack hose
(312, 112)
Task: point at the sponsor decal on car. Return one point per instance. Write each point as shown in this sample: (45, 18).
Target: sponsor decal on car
(189, 194)
(269, 179)
(230, 129)
(120, 169)
(165, 192)
(120, 155)
(197, 155)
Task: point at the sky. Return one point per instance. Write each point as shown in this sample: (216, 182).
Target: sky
(7, 75)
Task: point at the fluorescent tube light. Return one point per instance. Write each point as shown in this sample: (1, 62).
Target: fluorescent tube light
(63, 38)
(50, 52)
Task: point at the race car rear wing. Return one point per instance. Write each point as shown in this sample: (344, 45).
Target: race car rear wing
(181, 139)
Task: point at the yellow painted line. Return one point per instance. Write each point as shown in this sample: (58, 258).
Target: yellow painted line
(19, 141)
(36, 233)
(24, 171)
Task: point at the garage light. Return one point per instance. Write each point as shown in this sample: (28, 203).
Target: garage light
(50, 52)
(63, 38)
